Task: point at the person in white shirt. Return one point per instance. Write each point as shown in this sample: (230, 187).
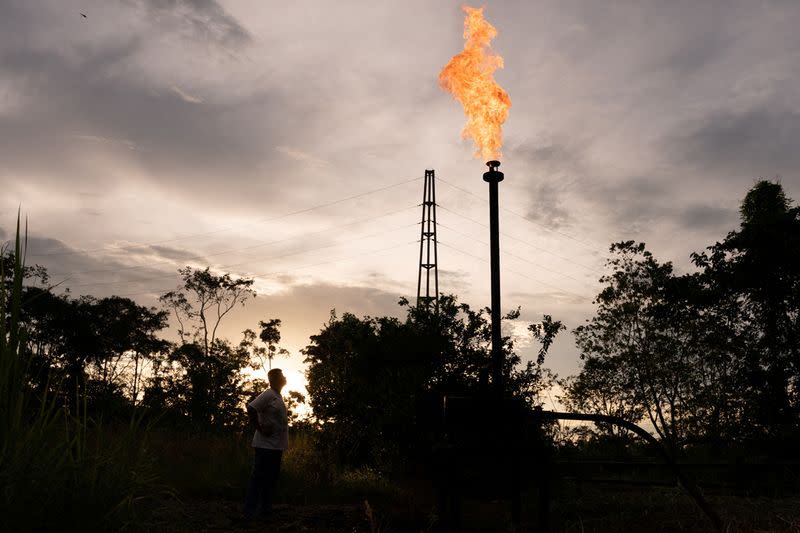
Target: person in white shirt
(269, 418)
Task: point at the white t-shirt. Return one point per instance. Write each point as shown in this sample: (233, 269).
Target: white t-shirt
(271, 409)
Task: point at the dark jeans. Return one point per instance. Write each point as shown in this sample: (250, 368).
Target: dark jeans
(266, 467)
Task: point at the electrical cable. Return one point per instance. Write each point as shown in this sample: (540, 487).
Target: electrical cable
(192, 235)
(588, 245)
(582, 297)
(565, 258)
(349, 257)
(119, 282)
(506, 252)
(261, 244)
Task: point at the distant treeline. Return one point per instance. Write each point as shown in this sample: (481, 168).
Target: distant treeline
(712, 356)
(110, 354)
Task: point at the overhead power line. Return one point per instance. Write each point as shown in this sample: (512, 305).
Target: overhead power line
(348, 257)
(510, 254)
(298, 252)
(483, 259)
(311, 250)
(586, 244)
(229, 228)
(235, 250)
(523, 241)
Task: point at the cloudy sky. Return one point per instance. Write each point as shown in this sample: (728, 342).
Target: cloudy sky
(288, 140)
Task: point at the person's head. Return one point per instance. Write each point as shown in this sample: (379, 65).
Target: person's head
(276, 379)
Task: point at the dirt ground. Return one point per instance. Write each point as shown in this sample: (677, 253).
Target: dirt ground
(224, 515)
(591, 510)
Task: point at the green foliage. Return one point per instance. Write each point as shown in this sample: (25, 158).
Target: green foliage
(57, 469)
(545, 332)
(200, 381)
(270, 335)
(89, 345)
(13, 400)
(755, 271)
(602, 387)
(637, 338)
(375, 384)
(713, 355)
(203, 390)
(201, 302)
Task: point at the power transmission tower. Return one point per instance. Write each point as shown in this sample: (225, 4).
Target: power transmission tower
(427, 245)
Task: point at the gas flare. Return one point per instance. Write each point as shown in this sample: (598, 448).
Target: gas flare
(469, 76)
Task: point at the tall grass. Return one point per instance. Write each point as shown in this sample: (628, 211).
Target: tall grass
(59, 469)
(217, 466)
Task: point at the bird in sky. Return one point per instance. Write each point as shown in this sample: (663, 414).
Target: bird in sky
(83, 15)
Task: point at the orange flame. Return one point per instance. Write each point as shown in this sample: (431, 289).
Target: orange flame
(469, 76)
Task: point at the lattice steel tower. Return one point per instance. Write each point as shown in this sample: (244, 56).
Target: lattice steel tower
(427, 245)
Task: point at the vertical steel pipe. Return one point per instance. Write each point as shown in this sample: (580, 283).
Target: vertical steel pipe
(493, 177)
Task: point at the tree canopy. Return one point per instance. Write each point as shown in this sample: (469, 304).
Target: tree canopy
(376, 383)
(711, 355)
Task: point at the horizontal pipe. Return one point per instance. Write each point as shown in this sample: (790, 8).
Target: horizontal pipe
(687, 484)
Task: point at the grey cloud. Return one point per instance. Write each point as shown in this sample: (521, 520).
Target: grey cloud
(707, 216)
(89, 195)
(201, 20)
(694, 54)
(100, 101)
(552, 299)
(548, 207)
(453, 281)
(170, 252)
(634, 203)
(195, 146)
(185, 96)
(557, 166)
(559, 159)
(556, 155)
(631, 204)
(760, 142)
(39, 247)
(96, 102)
(95, 273)
(639, 205)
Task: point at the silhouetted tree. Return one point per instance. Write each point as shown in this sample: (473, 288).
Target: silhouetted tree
(370, 380)
(271, 336)
(89, 343)
(31, 274)
(755, 271)
(201, 379)
(710, 355)
(601, 387)
(201, 302)
(638, 337)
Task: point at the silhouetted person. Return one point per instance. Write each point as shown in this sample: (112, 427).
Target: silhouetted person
(269, 418)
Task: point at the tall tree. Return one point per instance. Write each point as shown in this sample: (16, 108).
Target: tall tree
(125, 333)
(757, 270)
(710, 355)
(601, 387)
(202, 300)
(371, 379)
(89, 342)
(202, 378)
(270, 335)
(637, 337)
